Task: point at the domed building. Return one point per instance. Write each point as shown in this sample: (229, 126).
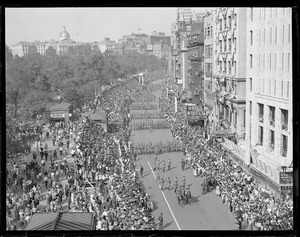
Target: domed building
(64, 35)
(61, 46)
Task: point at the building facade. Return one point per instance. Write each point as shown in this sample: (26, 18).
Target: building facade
(195, 50)
(106, 45)
(269, 131)
(61, 46)
(229, 70)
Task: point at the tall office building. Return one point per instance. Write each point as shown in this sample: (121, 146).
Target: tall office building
(229, 70)
(269, 132)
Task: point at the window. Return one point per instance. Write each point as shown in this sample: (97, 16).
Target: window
(251, 13)
(225, 25)
(271, 139)
(261, 112)
(251, 37)
(272, 115)
(244, 118)
(225, 67)
(229, 45)
(283, 34)
(234, 44)
(250, 60)
(229, 67)
(220, 42)
(274, 87)
(235, 89)
(225, 45)
(260, 135)
(234, 64)
(250, 84)
(229, 22)
(276, 34)
(284, 119)
(235, 117)
(220, 24)
(283, 145)
(275, 61)
(282, 60)
(250, 108)
(289, 33)
(281, 88)
(288, 63)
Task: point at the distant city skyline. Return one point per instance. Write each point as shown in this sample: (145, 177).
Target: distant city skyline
(86, 24)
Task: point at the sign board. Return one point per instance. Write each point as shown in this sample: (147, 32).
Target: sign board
(57, 115)
(286, 178)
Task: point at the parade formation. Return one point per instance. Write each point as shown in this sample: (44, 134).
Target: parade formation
(78, 167)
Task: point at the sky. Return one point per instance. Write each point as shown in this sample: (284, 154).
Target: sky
(85, 24)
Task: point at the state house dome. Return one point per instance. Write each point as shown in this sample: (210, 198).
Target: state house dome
(64, 35)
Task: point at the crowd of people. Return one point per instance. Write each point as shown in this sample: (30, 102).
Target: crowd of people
(149, 124)
(101, 176)
(256, 208)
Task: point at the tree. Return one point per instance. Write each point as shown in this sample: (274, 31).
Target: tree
(8, 54)
(16, 82)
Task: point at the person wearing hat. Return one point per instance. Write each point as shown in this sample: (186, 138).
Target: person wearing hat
(141, 171)
(160, 221)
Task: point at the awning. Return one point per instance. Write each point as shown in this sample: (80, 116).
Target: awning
(62, 221)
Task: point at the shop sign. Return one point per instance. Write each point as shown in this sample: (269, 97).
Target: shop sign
(286, 178)
(57, 115)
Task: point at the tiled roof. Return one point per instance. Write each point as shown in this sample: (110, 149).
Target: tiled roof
(62, 221)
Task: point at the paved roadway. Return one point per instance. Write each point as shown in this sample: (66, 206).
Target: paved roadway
(204, 212)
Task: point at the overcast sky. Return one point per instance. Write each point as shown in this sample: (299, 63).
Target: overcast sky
(85, 24)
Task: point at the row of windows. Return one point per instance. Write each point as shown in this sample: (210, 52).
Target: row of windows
(226, 67)
(271, 35)
(227, 45)
(231, 116)
(272, 121)
(269, 13)
(271, 62)
(227, 22)
(208, 33)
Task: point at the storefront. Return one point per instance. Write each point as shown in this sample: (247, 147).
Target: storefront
(61, 112)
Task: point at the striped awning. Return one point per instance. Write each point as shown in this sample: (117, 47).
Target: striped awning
(62, 221)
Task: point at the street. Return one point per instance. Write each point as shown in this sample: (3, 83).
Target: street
(204, 212)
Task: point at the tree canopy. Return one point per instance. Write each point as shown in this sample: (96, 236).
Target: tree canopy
(33, 80)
